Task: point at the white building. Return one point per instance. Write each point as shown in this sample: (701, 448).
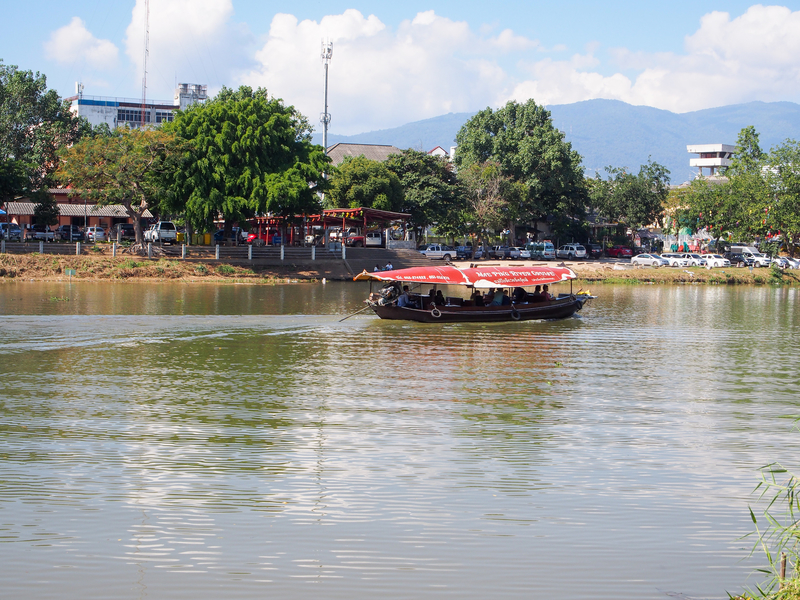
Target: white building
(118, 112)
(712, 157)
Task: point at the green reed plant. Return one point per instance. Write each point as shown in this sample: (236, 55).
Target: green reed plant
(778, 533)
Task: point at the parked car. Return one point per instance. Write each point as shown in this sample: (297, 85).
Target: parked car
(123, 231)
(676, 259)
(619, 252)
(716, 260)
(524, 253)
(794, 263)
(69, 233)
(163, 231)
(571, 251)
(738, 259)
(593, 250)
(10, 231)
(500, 252)
(464, 252)
(95, 233)
(542, 250)
(649, 260)
(374, 239)
(440, 252)
(41, 232)
(695, 260)
(236, 233)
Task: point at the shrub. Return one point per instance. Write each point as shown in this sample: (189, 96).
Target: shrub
(226, 270)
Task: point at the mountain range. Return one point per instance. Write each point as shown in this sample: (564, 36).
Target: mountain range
(613, 133)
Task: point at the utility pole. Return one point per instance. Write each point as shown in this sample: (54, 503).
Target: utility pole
(325, 117)
(146, 54)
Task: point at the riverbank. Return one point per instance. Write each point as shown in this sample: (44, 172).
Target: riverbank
(40, 267)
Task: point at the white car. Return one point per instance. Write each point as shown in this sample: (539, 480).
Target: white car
(523, 253)
(794, 263)
(571, 251)
(675, 259)
(695, 260)
(95, 234)
(649, 260)
(716, 261)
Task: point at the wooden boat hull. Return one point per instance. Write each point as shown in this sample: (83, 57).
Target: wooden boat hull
(555, 309)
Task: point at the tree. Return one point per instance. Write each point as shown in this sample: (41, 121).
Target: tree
(522, 140)
(359, 181)
(131, 167)
(247, 154)
(782, 213)
(45, 210)
(635, 200)
(430, 188)
(34, 125)
(492, 197)
(706, 204)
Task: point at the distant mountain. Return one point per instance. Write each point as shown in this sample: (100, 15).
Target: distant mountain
(613, 133)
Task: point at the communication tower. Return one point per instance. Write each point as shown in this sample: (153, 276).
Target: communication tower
(325, 117)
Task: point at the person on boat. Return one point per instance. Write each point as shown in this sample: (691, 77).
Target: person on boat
(440, 301)
(477, 298)
(519, 295)
(500, 298)
(488, 297)
(403, 299)
(536, 296)
(546, 293)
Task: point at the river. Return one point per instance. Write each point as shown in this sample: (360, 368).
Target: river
(196, 441)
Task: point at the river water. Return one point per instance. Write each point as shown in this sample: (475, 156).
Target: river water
(237, 441)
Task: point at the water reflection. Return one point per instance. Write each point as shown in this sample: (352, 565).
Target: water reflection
(174, 439)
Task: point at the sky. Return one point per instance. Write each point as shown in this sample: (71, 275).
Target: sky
(397, 62)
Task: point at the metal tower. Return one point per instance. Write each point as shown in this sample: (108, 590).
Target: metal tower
(325, 117)
(146, 54)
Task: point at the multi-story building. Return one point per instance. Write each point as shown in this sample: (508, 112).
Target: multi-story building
(119, 112)
(712, 157)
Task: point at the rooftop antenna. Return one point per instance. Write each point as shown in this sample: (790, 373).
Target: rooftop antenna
(146, 54)
(325, 117)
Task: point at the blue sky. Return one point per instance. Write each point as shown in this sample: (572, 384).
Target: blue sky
(404, 61)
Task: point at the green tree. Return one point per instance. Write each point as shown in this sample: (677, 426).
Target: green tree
(783, 177)
(492, 197)
(359, 181)
(131, 167)
(430, 188)
(522, 140)
(34, 125)
(248, 154)
(45, 210)
(635, 200)
(706, 204)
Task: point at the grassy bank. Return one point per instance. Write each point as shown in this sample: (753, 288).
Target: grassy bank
(51, 267)
(41, 267)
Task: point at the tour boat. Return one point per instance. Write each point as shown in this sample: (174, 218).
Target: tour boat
(426, 309)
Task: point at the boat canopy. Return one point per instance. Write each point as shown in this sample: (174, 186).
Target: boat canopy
(477, 277)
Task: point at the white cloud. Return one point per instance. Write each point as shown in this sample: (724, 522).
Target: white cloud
(193, 41)
(380, 78)
(74, 43)
(753, 57)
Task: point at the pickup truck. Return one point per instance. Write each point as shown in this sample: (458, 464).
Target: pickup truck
(440, 252)
(163, 231)
(41, 232)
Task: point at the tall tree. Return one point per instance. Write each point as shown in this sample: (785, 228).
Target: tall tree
(492, 197)
(249, 154)
(34, 125)
(131, 167)
(522, 140)
(635, 200)
(45, 209)
(782, 213)
(430, 188)
(359, 181)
